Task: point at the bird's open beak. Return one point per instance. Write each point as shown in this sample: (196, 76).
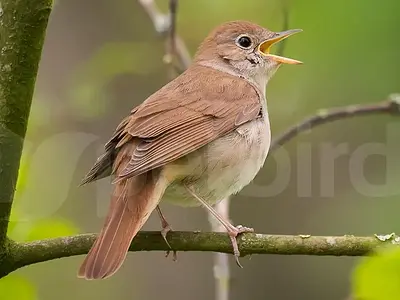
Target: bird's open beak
(265, 46)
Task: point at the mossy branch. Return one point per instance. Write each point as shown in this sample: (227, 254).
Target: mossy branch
(22, 29)
(23, 254)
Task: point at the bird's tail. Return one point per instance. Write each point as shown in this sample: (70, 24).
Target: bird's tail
(132, 202)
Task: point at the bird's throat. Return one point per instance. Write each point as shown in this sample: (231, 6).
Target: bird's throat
(258, 80)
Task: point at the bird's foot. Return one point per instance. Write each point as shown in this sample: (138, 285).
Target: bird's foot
(233, 233)
(165, 229)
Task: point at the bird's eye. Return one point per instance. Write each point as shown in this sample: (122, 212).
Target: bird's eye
(244, 42)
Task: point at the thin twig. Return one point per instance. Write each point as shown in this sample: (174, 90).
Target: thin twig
(162, 25)
(391, 107)
(173, 6)
(161, 22)
(183, 53)
(170, 53)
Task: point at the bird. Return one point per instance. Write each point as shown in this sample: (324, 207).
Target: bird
(197, 140)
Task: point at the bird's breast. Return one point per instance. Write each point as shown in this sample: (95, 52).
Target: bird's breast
(224, 166)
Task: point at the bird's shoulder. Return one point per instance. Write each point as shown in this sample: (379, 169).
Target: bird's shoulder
(198, 94)
(202, 89)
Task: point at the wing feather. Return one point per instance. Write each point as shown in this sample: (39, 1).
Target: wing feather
(183, 116)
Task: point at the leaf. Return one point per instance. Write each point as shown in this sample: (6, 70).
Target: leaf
(378, 277)
(17, 287)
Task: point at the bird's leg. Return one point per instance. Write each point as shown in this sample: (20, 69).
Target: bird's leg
(164, 224)
(165, 229)
(232, 230)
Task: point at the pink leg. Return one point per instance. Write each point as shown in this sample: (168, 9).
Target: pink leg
(232, 230)
(165, 229)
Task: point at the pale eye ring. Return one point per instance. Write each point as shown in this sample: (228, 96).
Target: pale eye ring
(244, 41)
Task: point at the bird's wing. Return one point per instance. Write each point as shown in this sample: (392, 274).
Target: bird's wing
(185, 115)
(191, 111)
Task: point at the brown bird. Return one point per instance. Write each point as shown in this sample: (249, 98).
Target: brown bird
(197, 140)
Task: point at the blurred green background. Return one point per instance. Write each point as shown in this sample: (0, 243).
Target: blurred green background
(101, 58)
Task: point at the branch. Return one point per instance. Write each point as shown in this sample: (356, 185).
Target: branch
(389, 107)
(165, 25)
(250, 243)
(173, 7)
(22, 29)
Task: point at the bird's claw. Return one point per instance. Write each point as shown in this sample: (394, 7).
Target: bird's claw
(233, 233)
(167, 228)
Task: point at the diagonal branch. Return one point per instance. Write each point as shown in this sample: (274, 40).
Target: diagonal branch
(389, 107)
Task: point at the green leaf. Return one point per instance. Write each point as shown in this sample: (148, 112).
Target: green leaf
(14, 287)
(378, 277)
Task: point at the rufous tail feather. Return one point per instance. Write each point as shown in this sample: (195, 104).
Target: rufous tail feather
(132, 202)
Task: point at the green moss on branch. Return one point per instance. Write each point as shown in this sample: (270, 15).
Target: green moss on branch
(22, 30)
(24, 254)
